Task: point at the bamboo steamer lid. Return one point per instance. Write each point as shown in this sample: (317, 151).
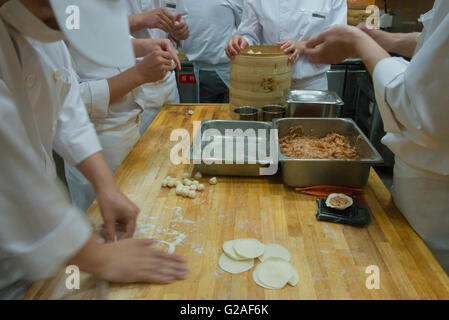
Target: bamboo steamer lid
(259, 79)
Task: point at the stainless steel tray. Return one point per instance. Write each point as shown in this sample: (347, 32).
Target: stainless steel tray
(229, 165)
(312, 103)
(312, 172)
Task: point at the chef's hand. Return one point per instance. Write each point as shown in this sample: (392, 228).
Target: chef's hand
(181, 29)
(341, 42)
(143, 47)
(334, 45)
(119, 214)
(235, 45)
(159, 18)
(129, 261)
(155, 66)
(295, 49)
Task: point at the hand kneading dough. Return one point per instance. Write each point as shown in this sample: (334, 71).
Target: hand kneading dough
(274, 273)
(273, 250)
(233, 266)
(228, 248)
(248, 248)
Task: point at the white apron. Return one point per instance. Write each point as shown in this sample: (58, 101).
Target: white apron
(424, 202)
(152, 97)
(117, 144)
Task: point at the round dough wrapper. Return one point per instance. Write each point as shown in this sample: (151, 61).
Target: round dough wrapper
(258, 282)
(295, 277)
(228, 248)
(274, 273)
(233, 266)
(273, 250)
(249, 248)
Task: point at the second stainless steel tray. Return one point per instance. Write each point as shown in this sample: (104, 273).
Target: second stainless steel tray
(313, 172)
(216, 134)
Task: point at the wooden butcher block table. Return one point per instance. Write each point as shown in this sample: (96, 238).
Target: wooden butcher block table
(331, 259)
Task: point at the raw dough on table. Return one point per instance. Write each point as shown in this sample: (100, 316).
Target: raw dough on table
(274, 273)
(233, 266)
(273, 250)
(248, 248)
(228, 248)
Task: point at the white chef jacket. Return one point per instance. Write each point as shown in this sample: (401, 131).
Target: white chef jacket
(212, 23)
(152, 96)
(95, 94)
(39, 228)
(269, 22)
(140, 6)
(414, 101)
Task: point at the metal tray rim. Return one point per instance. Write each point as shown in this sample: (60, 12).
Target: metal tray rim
(333, 94)
(377, 160)
(191, 153)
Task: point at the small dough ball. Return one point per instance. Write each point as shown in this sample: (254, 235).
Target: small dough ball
(213, 181)
(185, 192)
(173, 65)
(171, 184)
(179, 184)
(187, 182)
(191, 112)
(192, 194)
(200, 187)
(179, 191)
(165, 183)
(186, 175)
(233, 266)
(198, 175)
(249, 248)
(275, 251)
(195, 182)
(193, 187)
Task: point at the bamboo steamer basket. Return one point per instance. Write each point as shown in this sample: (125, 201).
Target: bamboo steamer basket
(260, 79)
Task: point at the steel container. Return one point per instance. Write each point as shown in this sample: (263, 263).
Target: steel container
(314, 104)
(216, 134)
(313, 172)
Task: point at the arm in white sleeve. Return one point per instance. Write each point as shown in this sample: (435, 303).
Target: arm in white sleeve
(339, 14)
(39, 229)
(250, 27)
(75, 138)
(95, 95)
(411, 95)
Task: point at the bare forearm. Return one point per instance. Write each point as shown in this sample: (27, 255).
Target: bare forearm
(370, 52)
(121, 84)
(136, 22)
(141, 47)
(90, 258)
(97, 171)
(403, 44)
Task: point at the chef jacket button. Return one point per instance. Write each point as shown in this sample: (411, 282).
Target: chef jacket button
(30, 80)
(57, 75)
